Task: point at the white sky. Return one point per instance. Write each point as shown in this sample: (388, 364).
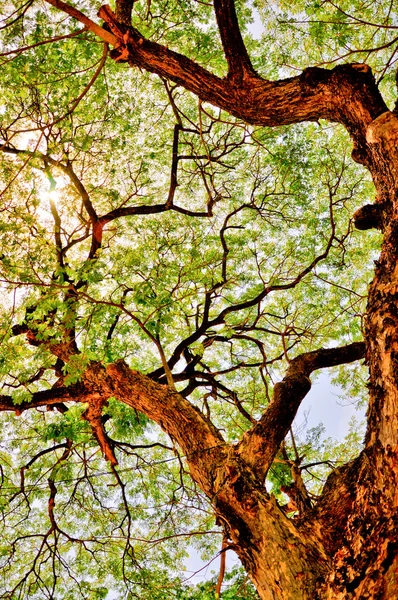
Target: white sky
(324, 404)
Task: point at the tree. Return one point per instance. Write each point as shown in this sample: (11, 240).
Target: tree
(177, 236)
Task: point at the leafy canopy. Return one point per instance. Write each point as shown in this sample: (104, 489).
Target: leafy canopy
(200, 214)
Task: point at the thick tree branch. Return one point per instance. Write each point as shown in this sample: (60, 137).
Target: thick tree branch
(44, 398)
(89, 24)
(63, 349)
(123, 11)
(260, 444)
(200, 441)
(347, 94)
(238, 60)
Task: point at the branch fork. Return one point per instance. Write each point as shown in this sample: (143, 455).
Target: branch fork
(93, 415)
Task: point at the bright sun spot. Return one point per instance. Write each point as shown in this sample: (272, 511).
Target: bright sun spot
(49, 194)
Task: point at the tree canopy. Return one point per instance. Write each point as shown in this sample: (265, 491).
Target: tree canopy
(178, 257)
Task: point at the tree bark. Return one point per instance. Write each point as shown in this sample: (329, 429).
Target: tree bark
(285, 560)
(346, 546)
(366, 565)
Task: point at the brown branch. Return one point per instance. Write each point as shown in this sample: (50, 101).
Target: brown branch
(360, 51)
(44, 398)
(224, 548)
(24, 8)
(90, 84)
(142, 446)
(200, 441)
(68, 169)
(261, 443)
(98, 223)
(67, 445)
(89, 24)
(74, 104)
(125, 211)
(201, 378)
(56, 38)
(362, 21)
(57, 232)
(238, 60)
(93, 415)
(123, 11)
(347, 94)
(174, 166)
(64, 349)
(51, 504)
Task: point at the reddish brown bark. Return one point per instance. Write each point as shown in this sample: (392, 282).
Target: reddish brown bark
(346, 546)
(283, 560)
(367, 563)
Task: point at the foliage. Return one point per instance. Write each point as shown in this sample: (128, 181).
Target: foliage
(180, 273)
(236, 587)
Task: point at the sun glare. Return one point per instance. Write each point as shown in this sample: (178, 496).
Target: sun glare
(48, 200)
(49, 196)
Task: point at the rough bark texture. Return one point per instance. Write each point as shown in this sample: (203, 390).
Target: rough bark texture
(345, 547)
(367, 563)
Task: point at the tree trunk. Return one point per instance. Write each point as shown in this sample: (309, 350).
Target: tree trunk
(345, 547)
(283, 562)
(356, 520)
(366, 565)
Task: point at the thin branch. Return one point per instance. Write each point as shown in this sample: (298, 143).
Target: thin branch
(90, 83)
(93, 414)
(221, 317)
(56, 38)
(174, 166)
(223, 552)
(67, 444)
(362, 21)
